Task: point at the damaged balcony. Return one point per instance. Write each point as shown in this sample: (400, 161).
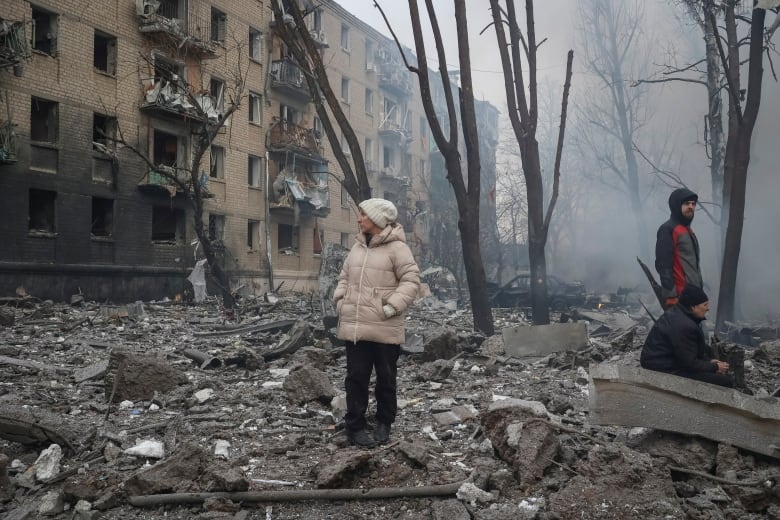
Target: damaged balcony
(287, 78)
(395, 79)
(167, 99)
(295, 191)
(287, 136)
(161, 179)
(7, 143)
(393, 174)
(170, 18)
(391, 130)
(14, 45)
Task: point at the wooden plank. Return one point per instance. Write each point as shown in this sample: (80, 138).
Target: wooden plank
(627, 395)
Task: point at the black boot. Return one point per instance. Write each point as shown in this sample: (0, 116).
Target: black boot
(360, 438)
(382, 433)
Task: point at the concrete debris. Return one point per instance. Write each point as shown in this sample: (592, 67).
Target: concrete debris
(7, 316)
(308, 384)
(51, 503)
(137, 377)
(540, 340)
(149, 448)
(624, 394)
(47, 465)
(517, 429)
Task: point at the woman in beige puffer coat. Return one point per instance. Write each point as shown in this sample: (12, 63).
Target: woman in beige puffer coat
(378, 282)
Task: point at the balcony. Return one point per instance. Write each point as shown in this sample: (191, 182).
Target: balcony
(161, 179)
(7, 143)
(287, 77)
(391, 130)
(14, 44)
(395, 79)
(167, 19)
(286, 136)
(394, 174)
(293, 188)
(169, 100)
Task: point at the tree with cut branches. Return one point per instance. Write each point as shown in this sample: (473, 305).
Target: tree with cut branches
(205, 122)
(289, 24)
(522, 107)
(467, 193)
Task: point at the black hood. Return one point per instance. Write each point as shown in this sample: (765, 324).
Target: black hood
(676, 200)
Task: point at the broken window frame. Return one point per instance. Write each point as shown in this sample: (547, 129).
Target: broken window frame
(255, 108)
(108, 126)
(44, 121)
(255, 44)
(344, 239)
(388, 157)
(171, 220)
(345, 89)
(252, 235)
(318, 238)
(217, 91)
(217, 162)
(345, 198)
(105, 47)
(216, 228)
(218, 26)
(345, 38)
(45, 30)
(370, 56)
(369, 102)
(255, 171)
(102, 219)
(287, 237)
(42, 213)
(163, 157)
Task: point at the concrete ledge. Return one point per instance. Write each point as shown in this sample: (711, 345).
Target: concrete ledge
(627, 395)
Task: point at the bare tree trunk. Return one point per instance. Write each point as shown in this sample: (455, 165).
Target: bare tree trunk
(467, 196)
(737, 161)
(523, 114)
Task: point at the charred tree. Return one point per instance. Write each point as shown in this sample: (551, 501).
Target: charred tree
(740, 129)
(467, 194)
(299, 41)
(523, 115)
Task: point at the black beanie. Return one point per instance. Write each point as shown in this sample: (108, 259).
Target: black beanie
(692, 295)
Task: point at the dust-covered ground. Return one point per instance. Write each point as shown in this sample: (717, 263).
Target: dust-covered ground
(148, 400)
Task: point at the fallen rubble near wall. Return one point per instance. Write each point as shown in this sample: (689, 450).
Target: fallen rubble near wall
(239, 429)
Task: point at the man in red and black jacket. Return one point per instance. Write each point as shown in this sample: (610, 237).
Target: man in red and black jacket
(677, 248)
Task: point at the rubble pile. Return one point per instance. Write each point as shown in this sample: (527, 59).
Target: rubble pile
(166, 410)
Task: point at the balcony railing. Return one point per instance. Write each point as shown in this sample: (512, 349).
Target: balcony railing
(7, 143)
(189, 29)
(289, 136)
(287, 77)
(14, 43)
(167, 98)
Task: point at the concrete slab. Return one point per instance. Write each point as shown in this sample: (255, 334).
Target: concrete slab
(540, 340)
(627, 395)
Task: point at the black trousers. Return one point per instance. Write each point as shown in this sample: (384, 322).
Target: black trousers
(362, 358)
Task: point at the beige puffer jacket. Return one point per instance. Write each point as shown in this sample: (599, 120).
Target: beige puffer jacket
(382, 272)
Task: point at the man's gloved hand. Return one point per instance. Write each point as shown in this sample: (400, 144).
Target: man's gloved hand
(671, 301)
(389, 310)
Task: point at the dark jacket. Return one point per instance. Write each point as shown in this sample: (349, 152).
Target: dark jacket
(676, 344)
(677, 248)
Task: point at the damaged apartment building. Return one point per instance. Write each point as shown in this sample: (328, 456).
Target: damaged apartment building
(84, 213)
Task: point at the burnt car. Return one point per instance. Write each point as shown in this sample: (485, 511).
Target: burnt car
(517, 292)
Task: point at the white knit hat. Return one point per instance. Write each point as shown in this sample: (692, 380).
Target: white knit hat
(381, 212)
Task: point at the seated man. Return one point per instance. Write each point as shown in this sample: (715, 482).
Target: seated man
(676, 343)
